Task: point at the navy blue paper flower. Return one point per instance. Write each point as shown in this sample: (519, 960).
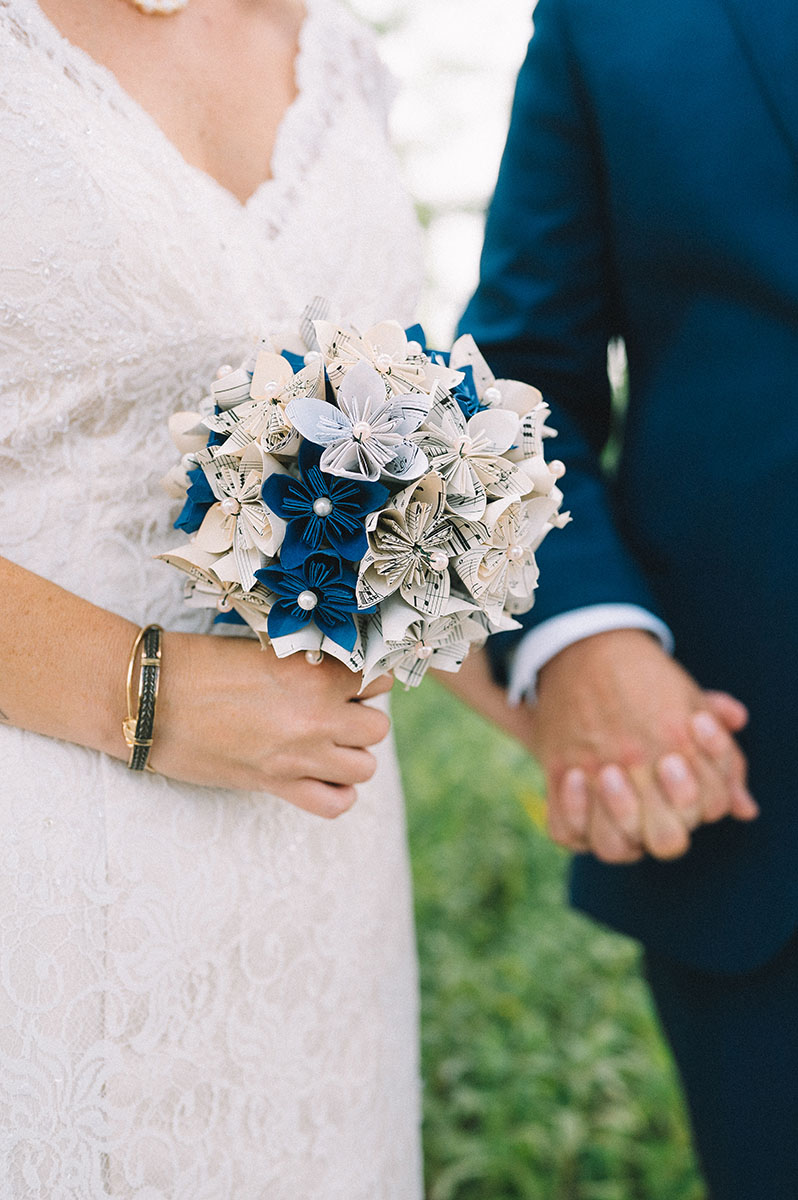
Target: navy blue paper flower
(466, 394)
(322, 590)
(295, 361)
(198, 500)
(321, 507)
(416, 334)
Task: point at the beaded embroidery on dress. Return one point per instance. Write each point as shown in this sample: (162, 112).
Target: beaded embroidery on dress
(203, 995)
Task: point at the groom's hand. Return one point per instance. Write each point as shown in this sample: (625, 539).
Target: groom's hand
(636, 755)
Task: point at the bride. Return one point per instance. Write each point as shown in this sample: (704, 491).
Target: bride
(206, 991)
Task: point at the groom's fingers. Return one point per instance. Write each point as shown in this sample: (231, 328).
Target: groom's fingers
(620, 801)
(567, 811)
(607, 841)
(677, 778)
(664, 833)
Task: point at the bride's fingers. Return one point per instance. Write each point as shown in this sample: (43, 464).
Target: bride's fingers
(378, 687)
(322, 799)
(664, 833)
(721, 753)
(361, 725)
(728, 709)
(344, 766)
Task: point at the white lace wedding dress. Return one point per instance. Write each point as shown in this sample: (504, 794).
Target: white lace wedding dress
(203, 995)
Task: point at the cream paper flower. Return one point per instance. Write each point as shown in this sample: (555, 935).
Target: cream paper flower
(470, 455)
(213, 583)
(442, 643)
(239, 521)
(367, 435)
(410, 545)
(521, 398)
(402, 365)
(260, 416)
(502, 574)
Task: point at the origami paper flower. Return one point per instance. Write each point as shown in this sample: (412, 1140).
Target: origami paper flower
(401, 363)
(260, 416)
(465, 391)
(509, 394)
(505, 566)
(466, 395)
(213, 583)
(319, 507)
(442, 643)
(409, 549)
(199, 499)
(469, 455)
(321, 589)
(239, 520)
(367, 434)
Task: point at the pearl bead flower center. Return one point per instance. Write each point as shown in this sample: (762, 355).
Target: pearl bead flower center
(323, 506)
(307, 601)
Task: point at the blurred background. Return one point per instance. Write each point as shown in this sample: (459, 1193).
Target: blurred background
(545, 1075)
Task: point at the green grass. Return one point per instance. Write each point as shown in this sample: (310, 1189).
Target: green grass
(545, 1075)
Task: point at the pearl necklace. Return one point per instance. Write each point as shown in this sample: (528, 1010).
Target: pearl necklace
(162, 8)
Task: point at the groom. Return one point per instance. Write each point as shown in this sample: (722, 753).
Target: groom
(649, 191)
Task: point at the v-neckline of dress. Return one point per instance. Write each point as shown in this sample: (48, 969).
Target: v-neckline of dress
(288, 127)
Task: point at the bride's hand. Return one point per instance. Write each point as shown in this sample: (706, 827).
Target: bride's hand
(232, 715)
(229, 714)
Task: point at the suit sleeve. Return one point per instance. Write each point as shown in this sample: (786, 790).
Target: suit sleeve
(544, 312)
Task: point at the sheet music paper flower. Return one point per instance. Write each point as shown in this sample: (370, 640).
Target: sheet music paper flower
(470, 455)
(401, 363)
(213, 583)
(261, 417)
(238, 520)
(510, 394)
(364, 496)
(442, 643)
(410, 545)
(366, 436)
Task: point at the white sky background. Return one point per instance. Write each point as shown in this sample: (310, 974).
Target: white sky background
(456, 62)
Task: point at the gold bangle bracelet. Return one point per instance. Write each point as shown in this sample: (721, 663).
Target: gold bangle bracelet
(137, 727)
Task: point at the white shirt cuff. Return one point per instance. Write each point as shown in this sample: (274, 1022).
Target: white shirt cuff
(541, 644)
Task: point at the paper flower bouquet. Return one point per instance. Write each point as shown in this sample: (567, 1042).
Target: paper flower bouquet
(362, 496)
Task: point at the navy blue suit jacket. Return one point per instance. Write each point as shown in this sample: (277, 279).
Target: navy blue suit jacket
(649, 190)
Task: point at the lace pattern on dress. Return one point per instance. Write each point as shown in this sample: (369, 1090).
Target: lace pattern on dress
(203, 995)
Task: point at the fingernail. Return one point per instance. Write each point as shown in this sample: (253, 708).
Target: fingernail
(705, 725)
(613, 779)
(575, 780)
(674, 768)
